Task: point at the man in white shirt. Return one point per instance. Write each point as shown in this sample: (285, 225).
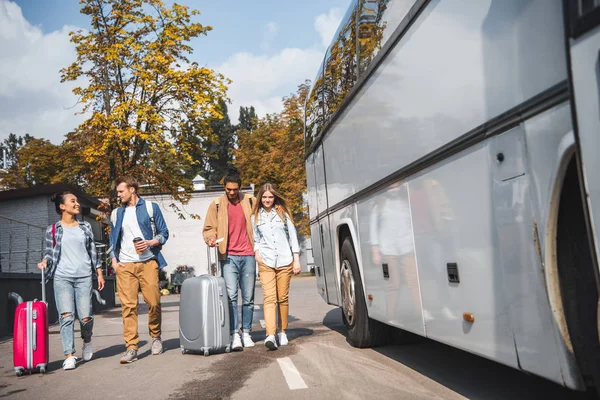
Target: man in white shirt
(138, 233)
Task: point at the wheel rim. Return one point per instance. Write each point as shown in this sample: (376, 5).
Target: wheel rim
(347, 286)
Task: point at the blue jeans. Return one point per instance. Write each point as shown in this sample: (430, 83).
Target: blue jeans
(240, 270)
(70, 293)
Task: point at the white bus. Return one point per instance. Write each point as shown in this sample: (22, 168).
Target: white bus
(452, 171)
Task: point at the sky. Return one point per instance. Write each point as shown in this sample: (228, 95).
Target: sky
(266, 47)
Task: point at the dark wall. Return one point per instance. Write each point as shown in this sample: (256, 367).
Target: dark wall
(29, 287)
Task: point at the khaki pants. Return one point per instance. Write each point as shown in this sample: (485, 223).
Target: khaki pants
(276, 289)
(130, 277)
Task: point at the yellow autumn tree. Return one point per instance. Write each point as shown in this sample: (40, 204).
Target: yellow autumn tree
(142, 93)
(274, 152)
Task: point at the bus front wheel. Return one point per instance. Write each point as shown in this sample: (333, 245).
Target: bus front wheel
(362, 330)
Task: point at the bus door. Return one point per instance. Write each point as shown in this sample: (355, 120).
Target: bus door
(315, 235)
(328, 259)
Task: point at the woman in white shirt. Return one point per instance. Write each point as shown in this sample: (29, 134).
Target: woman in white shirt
(278, 255)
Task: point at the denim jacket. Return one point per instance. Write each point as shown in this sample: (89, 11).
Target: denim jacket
(52, 251)
(162, 232)
(270, 238)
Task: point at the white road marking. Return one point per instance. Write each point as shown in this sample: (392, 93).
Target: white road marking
(291, 374)
(262, 323)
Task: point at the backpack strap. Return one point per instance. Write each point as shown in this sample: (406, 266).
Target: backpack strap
(113, 217)
(53, 235)
(150, 210)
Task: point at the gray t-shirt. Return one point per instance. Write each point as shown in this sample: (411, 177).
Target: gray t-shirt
(74, 260)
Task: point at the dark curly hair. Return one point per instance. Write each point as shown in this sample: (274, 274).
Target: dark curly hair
(58, 199)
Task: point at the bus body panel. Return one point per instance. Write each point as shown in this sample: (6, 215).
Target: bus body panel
(439, 83)
(455, 225)
(389, 260)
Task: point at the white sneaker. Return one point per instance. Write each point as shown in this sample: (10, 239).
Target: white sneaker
(236, 343)
(87, 352)
(69, 363)
(270, 342)
(282, 339)
(247, 340)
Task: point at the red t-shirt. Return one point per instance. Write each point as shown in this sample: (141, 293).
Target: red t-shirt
(238, 243)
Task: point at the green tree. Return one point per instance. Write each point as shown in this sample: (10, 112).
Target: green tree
(219, 148)
(11, 146)
(247, 118)
(143, 94)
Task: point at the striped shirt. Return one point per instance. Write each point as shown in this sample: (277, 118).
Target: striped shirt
(52, 252)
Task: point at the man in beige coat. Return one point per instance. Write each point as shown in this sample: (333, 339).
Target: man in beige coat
(228, 224)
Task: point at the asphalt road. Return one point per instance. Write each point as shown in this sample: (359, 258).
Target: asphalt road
(317, 364)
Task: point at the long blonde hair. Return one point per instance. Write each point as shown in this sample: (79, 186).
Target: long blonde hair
(279, 203)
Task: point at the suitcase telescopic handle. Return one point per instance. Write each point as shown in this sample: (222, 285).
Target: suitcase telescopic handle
(44, 285)
(210, 253)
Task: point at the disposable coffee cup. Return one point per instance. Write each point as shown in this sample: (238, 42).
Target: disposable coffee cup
(135, 240)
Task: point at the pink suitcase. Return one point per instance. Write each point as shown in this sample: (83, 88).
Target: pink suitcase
(30, 340)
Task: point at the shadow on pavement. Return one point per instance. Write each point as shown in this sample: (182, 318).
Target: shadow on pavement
(114, 350)
(8, 394)
(333, 320)
(470, 375)
(171, 344)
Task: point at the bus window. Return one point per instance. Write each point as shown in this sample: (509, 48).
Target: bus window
(314, 111)
(340, 64)
(377, 20)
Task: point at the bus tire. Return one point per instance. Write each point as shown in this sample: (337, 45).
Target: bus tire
(362, 330)
(577, 279)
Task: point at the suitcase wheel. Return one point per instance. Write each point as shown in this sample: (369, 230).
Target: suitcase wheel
(42, 370)
(205, 353)
(227, 349)
(18, 373)
(182, 350)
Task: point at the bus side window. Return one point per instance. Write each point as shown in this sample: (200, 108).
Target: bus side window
(314, 112)
(340, 73)
(377, 21)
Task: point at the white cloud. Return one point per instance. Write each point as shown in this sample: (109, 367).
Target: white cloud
(262, 80)
(32, 99)
(327, 24)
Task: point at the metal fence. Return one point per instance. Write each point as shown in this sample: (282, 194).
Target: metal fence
(21, 245)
